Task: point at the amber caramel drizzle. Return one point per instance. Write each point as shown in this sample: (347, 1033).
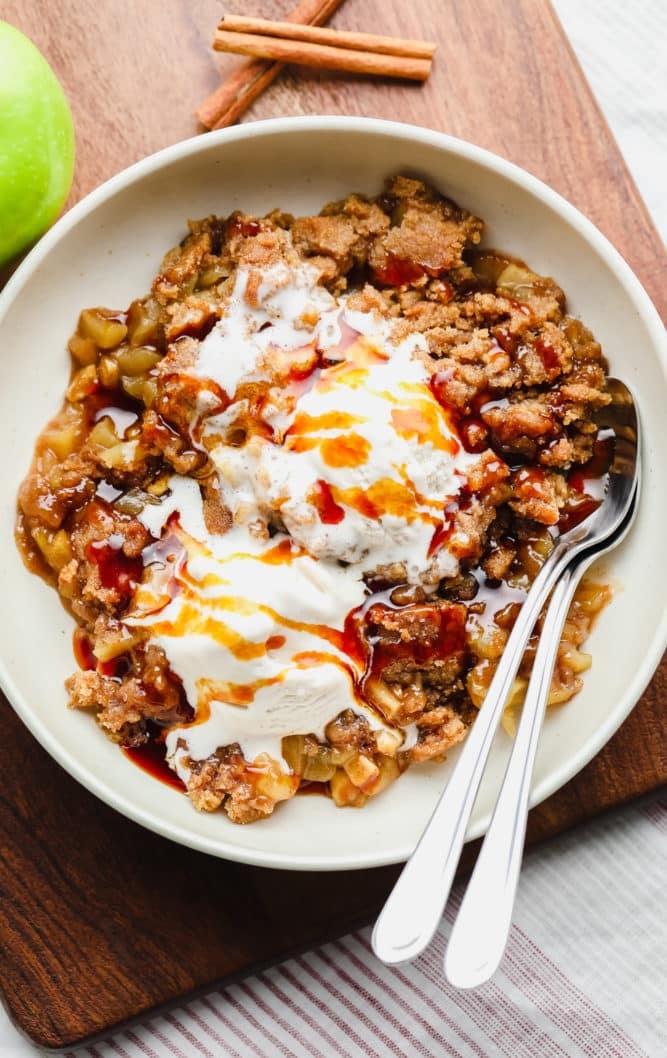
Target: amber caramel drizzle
(421, 417)
(190, 619)
(239, 694)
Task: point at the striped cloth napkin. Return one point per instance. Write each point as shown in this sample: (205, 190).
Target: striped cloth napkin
(586, 965)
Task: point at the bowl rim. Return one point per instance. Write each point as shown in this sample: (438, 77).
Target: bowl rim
(492, 162)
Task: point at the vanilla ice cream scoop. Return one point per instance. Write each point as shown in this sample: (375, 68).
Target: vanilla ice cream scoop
(357, 460)
(254, 628)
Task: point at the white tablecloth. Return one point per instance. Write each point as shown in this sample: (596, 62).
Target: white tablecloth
(584, 974)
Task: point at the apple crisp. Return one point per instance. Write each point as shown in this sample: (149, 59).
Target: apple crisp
(296, 494)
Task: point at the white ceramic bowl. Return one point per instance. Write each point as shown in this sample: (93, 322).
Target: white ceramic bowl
(106, 250)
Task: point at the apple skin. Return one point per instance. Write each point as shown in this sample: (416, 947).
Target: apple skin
(36, 143)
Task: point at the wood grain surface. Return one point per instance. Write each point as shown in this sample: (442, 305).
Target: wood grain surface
(100, 921)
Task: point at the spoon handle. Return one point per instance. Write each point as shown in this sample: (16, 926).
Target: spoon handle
(480, 933)
(411, 915)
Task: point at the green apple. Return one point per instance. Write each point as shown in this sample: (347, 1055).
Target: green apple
(36, 143)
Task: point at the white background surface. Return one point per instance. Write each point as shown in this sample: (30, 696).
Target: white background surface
(586, 966)
(621, 46)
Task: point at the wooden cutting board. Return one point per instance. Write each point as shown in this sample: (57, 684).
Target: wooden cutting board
(100, 920)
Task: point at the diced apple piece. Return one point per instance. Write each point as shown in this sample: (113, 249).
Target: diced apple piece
(317, 768)
(362, 771)
(388, 772)
(343, 791)
(159, 487)
(576, 660)
(142, 322)
(210, 276)
(64, 440)
(389, 742)
(516, 281)
(82, 384)
(108, 371)
(143, 389)
(121, 456)
(136, 359)
(478, 680)
(104, 433)
(84, 350)
(489, 265)
(292, 749)
(54, 547)
(271, 782)
(339, 756)
(103, 326)
(512, 711)
(383, 698)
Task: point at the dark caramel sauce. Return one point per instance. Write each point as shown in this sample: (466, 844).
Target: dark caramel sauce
(446, 636)
(83, 651)
(398, 271)
(116, 569)
(330, 512)
(508, 342)
(245, 226)
(151, 758)
(308, 788)
(590, 482)
(590, 478)
(547, 355)
(575, 512)
(115, 404)
(114, 668)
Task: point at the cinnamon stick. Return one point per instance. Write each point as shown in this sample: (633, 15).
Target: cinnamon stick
(338, 38)
(225, 106)
(323, 56)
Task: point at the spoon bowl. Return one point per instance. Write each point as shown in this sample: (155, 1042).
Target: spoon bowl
(620, 417)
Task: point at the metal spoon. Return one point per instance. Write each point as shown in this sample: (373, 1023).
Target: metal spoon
(480, 932)
(411, 915)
